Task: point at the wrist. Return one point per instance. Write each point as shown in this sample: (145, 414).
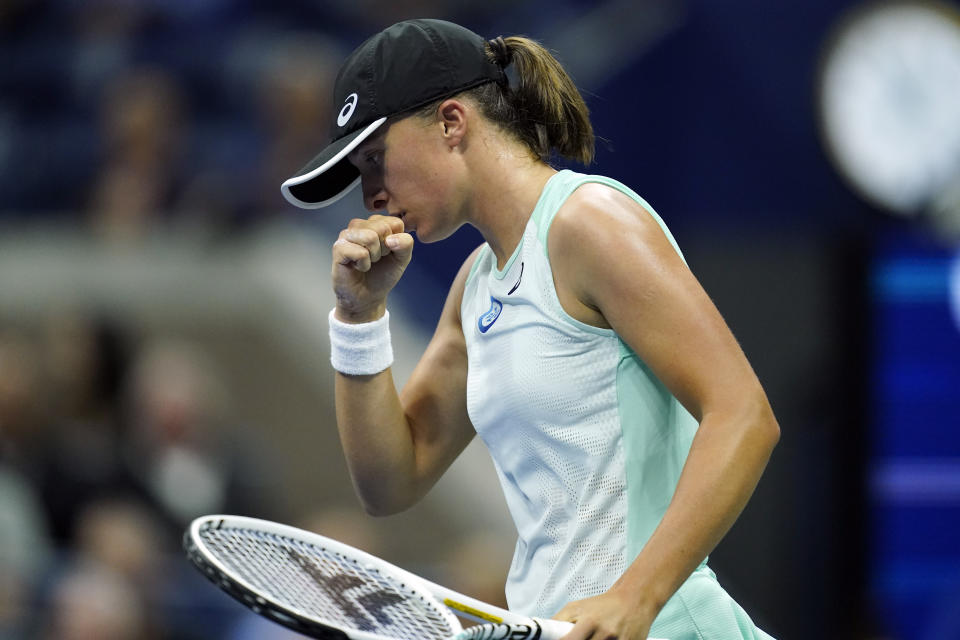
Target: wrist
(641, 596)
(360, 316)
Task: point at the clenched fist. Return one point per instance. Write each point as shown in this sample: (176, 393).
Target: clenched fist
(368, 259)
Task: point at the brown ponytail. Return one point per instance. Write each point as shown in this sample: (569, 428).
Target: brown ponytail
(540, 106)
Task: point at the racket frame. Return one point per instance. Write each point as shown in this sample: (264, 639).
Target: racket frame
(289, 616)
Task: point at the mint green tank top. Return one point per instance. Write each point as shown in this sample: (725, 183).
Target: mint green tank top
(587, 442)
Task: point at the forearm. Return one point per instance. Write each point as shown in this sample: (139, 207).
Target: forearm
(726, 459)
(377, 442)
(374, 429)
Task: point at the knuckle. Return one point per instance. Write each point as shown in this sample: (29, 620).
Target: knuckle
(386, 223)
(363, 236)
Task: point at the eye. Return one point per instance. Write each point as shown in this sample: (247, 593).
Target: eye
(374, 158)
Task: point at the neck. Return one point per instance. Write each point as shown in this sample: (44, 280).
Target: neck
(506, 186)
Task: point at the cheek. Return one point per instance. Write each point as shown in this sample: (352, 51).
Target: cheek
(419, 175)
(440, 179)
(418, 185)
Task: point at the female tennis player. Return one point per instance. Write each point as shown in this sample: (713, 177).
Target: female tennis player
(626, 426)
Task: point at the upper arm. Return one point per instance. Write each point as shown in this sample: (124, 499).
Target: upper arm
(611, 254)
(434, 398)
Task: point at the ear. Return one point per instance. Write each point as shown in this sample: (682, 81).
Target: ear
(452, 119)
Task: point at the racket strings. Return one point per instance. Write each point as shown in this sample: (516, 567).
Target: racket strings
(319, 583)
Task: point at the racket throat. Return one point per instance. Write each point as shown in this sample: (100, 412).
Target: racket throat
(470, 612)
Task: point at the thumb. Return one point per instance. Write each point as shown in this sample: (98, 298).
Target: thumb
(401, 247)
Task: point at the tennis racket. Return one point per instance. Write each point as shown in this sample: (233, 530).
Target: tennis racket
(326, 589)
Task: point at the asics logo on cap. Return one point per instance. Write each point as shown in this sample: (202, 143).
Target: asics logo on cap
(348, 109)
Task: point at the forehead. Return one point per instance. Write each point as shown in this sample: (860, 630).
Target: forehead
(389, 131)
(376, 138)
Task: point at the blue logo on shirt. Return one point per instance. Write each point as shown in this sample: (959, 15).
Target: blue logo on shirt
(486, 320)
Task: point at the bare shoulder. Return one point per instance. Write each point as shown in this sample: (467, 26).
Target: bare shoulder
(599, 239)
(595, 214)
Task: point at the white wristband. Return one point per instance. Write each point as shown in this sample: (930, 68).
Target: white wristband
(360, 349)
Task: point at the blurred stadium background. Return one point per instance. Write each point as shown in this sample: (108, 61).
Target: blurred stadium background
(162, 310)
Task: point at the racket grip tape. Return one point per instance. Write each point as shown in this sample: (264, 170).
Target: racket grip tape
(539, 630)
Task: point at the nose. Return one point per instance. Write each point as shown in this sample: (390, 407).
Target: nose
(374, 196)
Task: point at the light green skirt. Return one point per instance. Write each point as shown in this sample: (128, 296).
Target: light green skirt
(702, 610)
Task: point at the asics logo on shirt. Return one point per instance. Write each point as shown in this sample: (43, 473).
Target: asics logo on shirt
(486, 320)
(347, 112)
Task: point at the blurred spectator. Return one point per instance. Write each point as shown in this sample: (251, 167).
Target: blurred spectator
(83, 363)
(21, 421)
(123, 536)
(123, 539)
(25, 552)
(105, 34)
(142, 120)
(90, 602)
(184, 448)
(294, 80)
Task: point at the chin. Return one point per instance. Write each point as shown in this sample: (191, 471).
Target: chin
(434, 235)
(425, 237)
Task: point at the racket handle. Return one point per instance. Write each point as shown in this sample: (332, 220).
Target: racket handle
(553, 629)
(556, 629)
(537, 629)
(541, 629)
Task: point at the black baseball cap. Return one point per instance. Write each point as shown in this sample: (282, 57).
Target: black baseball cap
(405, 66)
